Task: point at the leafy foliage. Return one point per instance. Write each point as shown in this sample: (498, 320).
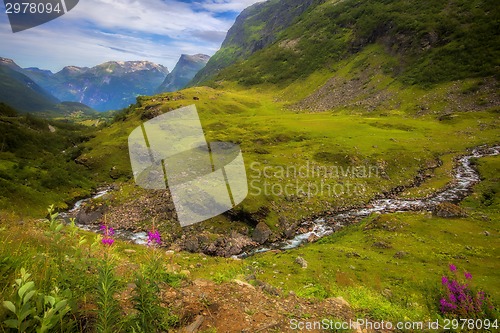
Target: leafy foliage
(30, 315)
(108, 315)
(37, 162)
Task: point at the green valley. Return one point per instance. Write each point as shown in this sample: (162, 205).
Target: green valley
(335, 105)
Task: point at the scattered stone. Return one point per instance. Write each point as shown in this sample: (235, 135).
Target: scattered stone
(261, 233)
(447, 209)
(341, 301)
(243, 284)
(193, 327)
(87, 215)
(271, 290)
(352, 254)
(382, 245)
(301, 261)
(400, 254)
(312, 238)
(202, 283)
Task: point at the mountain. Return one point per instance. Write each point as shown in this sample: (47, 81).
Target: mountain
(184, 71)
(255, 28)
(425, 42)
(111, 85)
(21, 92)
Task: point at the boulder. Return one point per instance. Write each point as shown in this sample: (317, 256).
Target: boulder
(447, 209)
(261, 233)
(301, 261)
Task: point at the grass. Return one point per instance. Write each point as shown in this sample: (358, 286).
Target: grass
(376, 282)
(432, 42)
(395, 146)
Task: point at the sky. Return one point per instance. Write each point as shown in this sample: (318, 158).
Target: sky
(96, 31)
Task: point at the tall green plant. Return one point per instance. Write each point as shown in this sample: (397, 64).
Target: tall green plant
(108, 308)
(151, 316)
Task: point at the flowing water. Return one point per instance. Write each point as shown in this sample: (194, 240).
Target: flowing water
(465, 176)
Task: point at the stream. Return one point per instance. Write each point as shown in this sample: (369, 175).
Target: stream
(465, 176)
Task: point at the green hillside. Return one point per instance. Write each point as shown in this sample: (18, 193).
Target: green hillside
(391, 93)
(37, 166)
(430, 42)
(19, 91)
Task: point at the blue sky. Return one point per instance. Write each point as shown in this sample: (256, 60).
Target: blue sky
(96, 31)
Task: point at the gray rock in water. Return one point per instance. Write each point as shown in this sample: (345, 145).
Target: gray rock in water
(86, 216)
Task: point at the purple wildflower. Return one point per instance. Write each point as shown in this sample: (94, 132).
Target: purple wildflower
(468, 275)
(154, 238)
(444, 280)
(453, 268)
(108, 235)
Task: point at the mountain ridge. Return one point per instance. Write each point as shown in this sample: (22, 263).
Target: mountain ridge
(184, 71)
(429, 42)
(111, 85)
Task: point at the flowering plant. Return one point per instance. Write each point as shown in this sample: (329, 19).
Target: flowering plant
(154, 238)
(460, 300)
(108, 235)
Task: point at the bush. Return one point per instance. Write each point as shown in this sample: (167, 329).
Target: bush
(460, 300)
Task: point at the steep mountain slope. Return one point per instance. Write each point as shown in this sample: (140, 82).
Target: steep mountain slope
(37, 166)
(184, 71)
(20, 92)
(428, 42)
(112, 85)
(255, 28)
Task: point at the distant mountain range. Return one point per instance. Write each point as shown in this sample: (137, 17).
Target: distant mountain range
(110, 86)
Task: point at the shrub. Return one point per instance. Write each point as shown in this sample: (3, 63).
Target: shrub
(460, 300)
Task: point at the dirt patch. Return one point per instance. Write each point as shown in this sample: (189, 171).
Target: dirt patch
(240, 307)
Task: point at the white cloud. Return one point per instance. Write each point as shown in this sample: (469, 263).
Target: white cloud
(96, 31)
(226, 5)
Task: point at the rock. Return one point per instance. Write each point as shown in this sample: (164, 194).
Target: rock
(191, 244)
(195, 325)
(382, 245)
(301, 261)
(203, 283)
(400, 254)
(447, 209)
(268, 288)
(87, 216)
(261, 233)
(486, 233)
(243, 284)
(341, 301)
(312, 238)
